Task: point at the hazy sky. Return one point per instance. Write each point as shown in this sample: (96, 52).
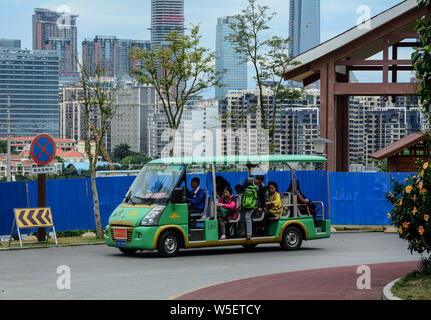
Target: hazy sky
(131, 19)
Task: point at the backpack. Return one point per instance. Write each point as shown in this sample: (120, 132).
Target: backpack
(249, 197)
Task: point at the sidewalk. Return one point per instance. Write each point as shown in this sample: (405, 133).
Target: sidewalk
(319, 284)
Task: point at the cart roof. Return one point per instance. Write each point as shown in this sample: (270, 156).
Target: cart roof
(252, 159)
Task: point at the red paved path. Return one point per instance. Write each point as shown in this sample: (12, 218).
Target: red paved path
(320, 284)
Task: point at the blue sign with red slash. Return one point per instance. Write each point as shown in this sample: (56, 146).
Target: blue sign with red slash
(43, 149)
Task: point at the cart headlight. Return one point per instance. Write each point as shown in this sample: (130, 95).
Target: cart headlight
(152, 218)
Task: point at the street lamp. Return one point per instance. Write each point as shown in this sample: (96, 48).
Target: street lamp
(319, 148)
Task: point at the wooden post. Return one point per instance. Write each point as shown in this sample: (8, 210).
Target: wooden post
(41, 202)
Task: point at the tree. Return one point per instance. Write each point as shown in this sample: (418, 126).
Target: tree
(421, 59)
(179, 71)
(3, 147)
(98, 112)
(269, 58)
(276, 64)
(121, 151)
(135, 162)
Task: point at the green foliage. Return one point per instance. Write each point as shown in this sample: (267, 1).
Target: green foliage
(421, 59)
(269, 57)
(135, 162)
(424, 265)
(382, 165)
(411, 211)
(3, 147)
(178, 71)
(121, 151)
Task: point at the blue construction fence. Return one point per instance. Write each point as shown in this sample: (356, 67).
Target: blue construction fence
(354, 198)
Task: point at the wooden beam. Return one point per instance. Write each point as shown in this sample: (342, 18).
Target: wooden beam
(380, 68)
(296, 72)
(403, 36)
(375, 89)
(373, 62)
(309, 80)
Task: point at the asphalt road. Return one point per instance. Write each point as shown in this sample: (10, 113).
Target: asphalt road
(101, 272)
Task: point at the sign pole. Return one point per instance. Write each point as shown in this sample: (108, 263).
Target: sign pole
(41, 202)
(42, 151)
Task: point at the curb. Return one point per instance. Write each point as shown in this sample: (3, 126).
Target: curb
(52, 246)
(387, 294)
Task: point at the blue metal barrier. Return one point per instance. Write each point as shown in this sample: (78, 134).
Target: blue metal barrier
(355, 198)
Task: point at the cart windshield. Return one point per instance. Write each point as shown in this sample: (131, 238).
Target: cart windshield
(154, 184)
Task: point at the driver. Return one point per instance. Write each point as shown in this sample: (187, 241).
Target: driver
(196, 197)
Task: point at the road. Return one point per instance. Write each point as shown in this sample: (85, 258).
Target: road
(101, 272)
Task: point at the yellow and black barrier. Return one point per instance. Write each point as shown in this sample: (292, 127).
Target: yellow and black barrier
(32, 218)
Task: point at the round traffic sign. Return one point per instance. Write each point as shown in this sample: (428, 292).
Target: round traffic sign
(42, 149)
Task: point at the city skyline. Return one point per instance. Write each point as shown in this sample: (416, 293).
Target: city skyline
(133, 21)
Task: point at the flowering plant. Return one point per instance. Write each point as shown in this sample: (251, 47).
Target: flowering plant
(411, 211)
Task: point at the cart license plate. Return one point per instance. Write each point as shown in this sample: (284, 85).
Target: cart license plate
(121, 243)
(120, 234)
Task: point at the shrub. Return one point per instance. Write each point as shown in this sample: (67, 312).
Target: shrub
(411, 211)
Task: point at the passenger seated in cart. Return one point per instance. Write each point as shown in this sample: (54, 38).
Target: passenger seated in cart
(226, 209)
(273, 205)
(196, 197)
(304, 205)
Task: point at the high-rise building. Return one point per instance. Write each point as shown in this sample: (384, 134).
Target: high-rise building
(304, 25)
(111, 54)
(166, 16)
(227, 59)
(10, 44)
(57, 31)
(31, 78)
(72, 113)
(133, 122)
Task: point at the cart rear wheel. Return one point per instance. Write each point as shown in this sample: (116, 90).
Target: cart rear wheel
(292, 238)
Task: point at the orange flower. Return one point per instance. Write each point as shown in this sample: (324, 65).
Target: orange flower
(421, 230)
(389, 215)
(421, 175)
(406, 225)
(400, 230)
(400, 203)
(425, 165)
(415, 198)
(426, 217)
(409, 189)
(421, 185)
(391, 194)
(422, 190)
(415, 211)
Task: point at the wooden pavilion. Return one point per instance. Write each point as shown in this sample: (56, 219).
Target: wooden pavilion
(355, 50)
(403, 155)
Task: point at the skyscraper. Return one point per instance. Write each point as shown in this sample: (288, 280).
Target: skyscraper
(111, 54)
(304, 25)
(166, 16)
(57, 31)
(31, 78)
(235, 77)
